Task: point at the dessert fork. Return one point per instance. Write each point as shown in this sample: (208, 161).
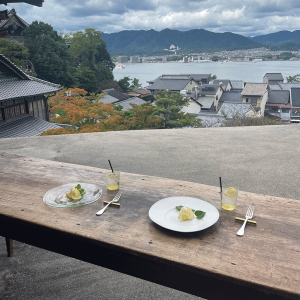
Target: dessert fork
(115, 199)
(249, 215)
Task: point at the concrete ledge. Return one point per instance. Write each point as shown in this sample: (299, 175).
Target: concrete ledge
(260, 159)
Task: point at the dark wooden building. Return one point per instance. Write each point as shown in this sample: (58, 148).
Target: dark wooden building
(11, 25)
(23, 97)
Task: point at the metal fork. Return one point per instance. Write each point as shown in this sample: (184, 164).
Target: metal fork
(115, 199)
(249, 215)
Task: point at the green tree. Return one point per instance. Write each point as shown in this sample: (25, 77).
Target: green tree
(89, 51)
(48, 53)
(291, 79)
(127, 84)
(135, 84)
(169, 109)
(14, 51)
(124, 84)
(215, 58)
(86, 79)
(286, 55)
(109, 84)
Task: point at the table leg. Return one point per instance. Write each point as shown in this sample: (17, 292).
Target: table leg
(9, 246)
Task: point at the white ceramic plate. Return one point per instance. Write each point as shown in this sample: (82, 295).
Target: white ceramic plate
(57, 197)
(165, 214)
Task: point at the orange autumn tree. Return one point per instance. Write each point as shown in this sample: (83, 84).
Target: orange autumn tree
(142, 117)
(71, 107)
(74, 107)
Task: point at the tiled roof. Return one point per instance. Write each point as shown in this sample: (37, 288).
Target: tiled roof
(126, 103)
(234, 109)
(142, 91)
(18, 84)
(224, 82)
(108, 99)
(169, 84)
(116, 94)
(275, 87)
(254, 89)
(2, 22)
(274, 76)
(232, 96)
(206, 102)
(24, 126)
(288, 86)
(278, 97)
(237, 84)
(16, 88)
(175, 76)
(198, 77)
(15, 69)
(12, 14)
(208, 89)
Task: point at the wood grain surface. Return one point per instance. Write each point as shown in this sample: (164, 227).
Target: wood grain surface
(214, 263)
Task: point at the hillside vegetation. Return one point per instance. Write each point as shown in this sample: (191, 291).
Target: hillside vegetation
(152, 42)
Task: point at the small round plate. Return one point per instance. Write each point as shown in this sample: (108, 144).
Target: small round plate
(57, 196)
(165, 214)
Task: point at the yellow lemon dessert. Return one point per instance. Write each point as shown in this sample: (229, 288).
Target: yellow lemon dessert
(186, 214)
(74, 194)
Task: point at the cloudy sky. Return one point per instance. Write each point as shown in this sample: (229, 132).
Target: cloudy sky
(247, 17)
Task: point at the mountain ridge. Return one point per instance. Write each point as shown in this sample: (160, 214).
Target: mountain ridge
(150, 42)
(278, 38)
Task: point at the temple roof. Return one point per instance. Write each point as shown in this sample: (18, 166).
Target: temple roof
(11, 24)
(14, 83)
(24, 126)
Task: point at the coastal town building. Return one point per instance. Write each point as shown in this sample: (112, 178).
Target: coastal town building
(279, 104)
(141, 93)
(230, 110)
(257, 95)
(122, 59)
(273, 78)
(134, 59)
(118, 98)
(225, 83)
(174, 83)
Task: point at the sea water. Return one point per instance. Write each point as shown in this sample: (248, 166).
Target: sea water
(246, 71)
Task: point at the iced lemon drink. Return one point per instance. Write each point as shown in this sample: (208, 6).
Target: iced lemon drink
(112, 180)
(229, 196)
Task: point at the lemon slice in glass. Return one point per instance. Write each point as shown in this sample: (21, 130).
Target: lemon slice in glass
(186, 214)
(230, 192)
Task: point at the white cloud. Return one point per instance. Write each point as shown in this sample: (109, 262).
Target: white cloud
(248, 17)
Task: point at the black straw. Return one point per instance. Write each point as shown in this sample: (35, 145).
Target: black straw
(220, 184)
(112, 167)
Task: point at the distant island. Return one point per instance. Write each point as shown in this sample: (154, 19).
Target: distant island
(152, 42)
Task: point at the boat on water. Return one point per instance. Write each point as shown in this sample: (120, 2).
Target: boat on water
(119, 66)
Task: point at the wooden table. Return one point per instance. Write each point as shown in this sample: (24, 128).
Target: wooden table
(214, 263)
